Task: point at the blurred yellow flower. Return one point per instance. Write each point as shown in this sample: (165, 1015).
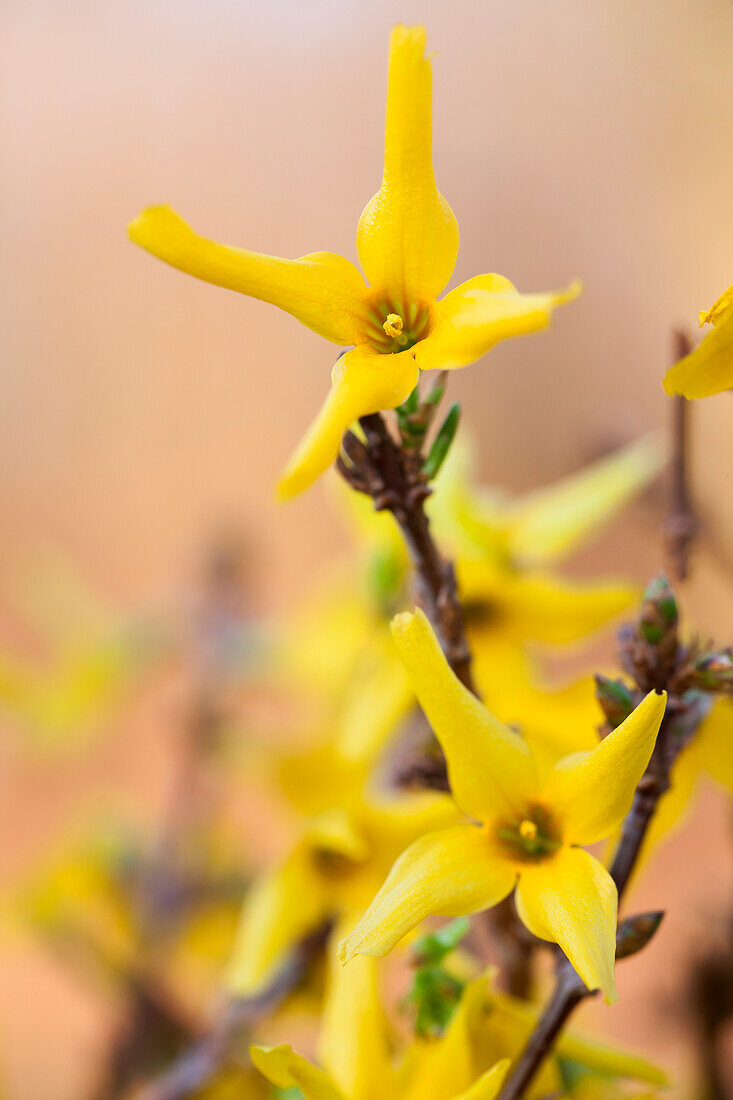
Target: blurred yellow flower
(709, 368)
(529, 832)
(407, 242)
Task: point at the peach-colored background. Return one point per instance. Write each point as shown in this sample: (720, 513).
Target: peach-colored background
(139, 408)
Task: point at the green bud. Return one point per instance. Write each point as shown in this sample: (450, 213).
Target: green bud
(615, 699)
(442, 443)
(713, 671)
(659, 614)
(634, 933)
(435, 992)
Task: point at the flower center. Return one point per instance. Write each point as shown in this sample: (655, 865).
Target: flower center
(530, 837)
(394, 326)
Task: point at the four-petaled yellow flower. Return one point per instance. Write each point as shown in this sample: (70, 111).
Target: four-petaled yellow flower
(529, 830)
(407, 242)
(709, 368)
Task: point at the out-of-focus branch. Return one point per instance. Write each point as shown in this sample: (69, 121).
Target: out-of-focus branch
(199, 1064)
(392, 475)
(681, 525)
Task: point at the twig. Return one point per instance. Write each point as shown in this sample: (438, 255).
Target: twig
(200, 1062)
(682, 524)
(393, 477)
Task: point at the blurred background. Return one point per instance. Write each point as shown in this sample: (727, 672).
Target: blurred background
(142, 412)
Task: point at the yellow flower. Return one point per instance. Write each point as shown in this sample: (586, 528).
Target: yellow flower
(529, 832)
(407, 242)
(488, 1030)
(709, 368)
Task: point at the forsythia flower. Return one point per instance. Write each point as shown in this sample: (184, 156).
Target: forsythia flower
(529, 831)
(709, 368)
(407, 242)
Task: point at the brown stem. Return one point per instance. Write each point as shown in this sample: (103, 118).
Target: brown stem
(682, 524)
(198, 1065)
(392, 478)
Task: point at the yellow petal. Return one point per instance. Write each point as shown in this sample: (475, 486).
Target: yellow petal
(720, 306)
(489, 766)
(362, 382)
(709, 368)
(408, 235)
(715, 743)
(489, 1084)
(288, 1070)
(449, 873)
(552, 521)
(543, 608)
(322, 290)
(282, 907)
(609, 1061)
(571, 899)
(354, 1041)
(591, 792)
(478, 314)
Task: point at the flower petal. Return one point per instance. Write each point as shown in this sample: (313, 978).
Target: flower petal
(449, 873)
(544, 608)
(408, 235)
(715, 743)
(591, 792)
(354, 1041)
(322, 290)
(287, 1069)
(489, 1084)
(282, 907)
(362, 382)
(709, 368)
(570, 899)
(547, 524)
(478, 314)
(489, 766)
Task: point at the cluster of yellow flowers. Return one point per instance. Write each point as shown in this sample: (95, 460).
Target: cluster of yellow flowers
(530, 785)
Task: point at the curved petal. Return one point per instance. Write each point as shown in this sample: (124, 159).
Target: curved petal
(550, 522)
(478, 314)
(282, 907)
(489, 766)
(408, 235)
(718, 309)
(354, 1041)
(322, 290)
(550, 609)
(709, 368)
(591, 792)
(450, 873)
(489, 1084)
(362, 382)
(570, 899)
(288, 1070)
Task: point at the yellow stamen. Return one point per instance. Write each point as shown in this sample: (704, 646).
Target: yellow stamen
(393, 325)
(528, 830)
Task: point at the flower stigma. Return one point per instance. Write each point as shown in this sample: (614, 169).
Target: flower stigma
(393, 327)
